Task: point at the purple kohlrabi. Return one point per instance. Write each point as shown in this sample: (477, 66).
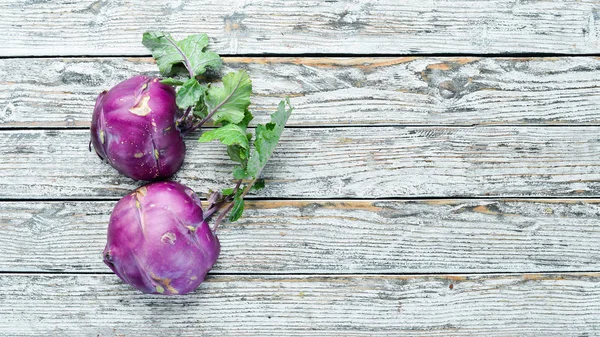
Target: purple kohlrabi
(134, 129)
(158, 241)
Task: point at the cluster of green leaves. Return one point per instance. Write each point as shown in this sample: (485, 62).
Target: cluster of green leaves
(192, 53)
(225, 105)
(251, 160)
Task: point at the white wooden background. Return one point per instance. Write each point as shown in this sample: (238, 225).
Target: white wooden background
(440, 176)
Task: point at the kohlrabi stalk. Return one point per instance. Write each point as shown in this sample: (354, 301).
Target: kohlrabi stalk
(251, 162)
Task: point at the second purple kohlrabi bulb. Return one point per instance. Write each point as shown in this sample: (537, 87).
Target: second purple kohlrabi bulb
(158, 241)
(134, 129)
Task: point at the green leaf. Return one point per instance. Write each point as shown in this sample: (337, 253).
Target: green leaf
(172, 81)
(267, 137)
(163, 50)
(200, 108)
(259, 184)
(247, 118)
(193, 48)
(237, 153)
(239, 172)
(227, 191)
(230, 101)
(189, 93)
(189, 51)
(229, 134)
(238, 208)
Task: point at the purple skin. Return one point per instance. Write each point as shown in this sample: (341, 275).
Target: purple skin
(158, 241)
(134, 129)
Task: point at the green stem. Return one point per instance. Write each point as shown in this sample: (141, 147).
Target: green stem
(231, 203)
(217, 206)
(222, 216)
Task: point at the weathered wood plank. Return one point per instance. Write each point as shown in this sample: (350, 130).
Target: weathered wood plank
(333, 163)
(283, 237)
(334, 91)
(61, 27)
(501, 305)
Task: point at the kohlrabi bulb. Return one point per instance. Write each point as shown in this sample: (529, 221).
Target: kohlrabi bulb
(134, 129)
(158, 241)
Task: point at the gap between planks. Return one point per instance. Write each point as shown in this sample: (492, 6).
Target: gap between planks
(453, 275)
(322, 55)
(433, 199)
(337, 126)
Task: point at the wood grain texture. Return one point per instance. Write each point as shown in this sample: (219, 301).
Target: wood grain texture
(501, 305)
(333, 91)
(333, 163)
(317, 267)
(105, 27)
(341, 237)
